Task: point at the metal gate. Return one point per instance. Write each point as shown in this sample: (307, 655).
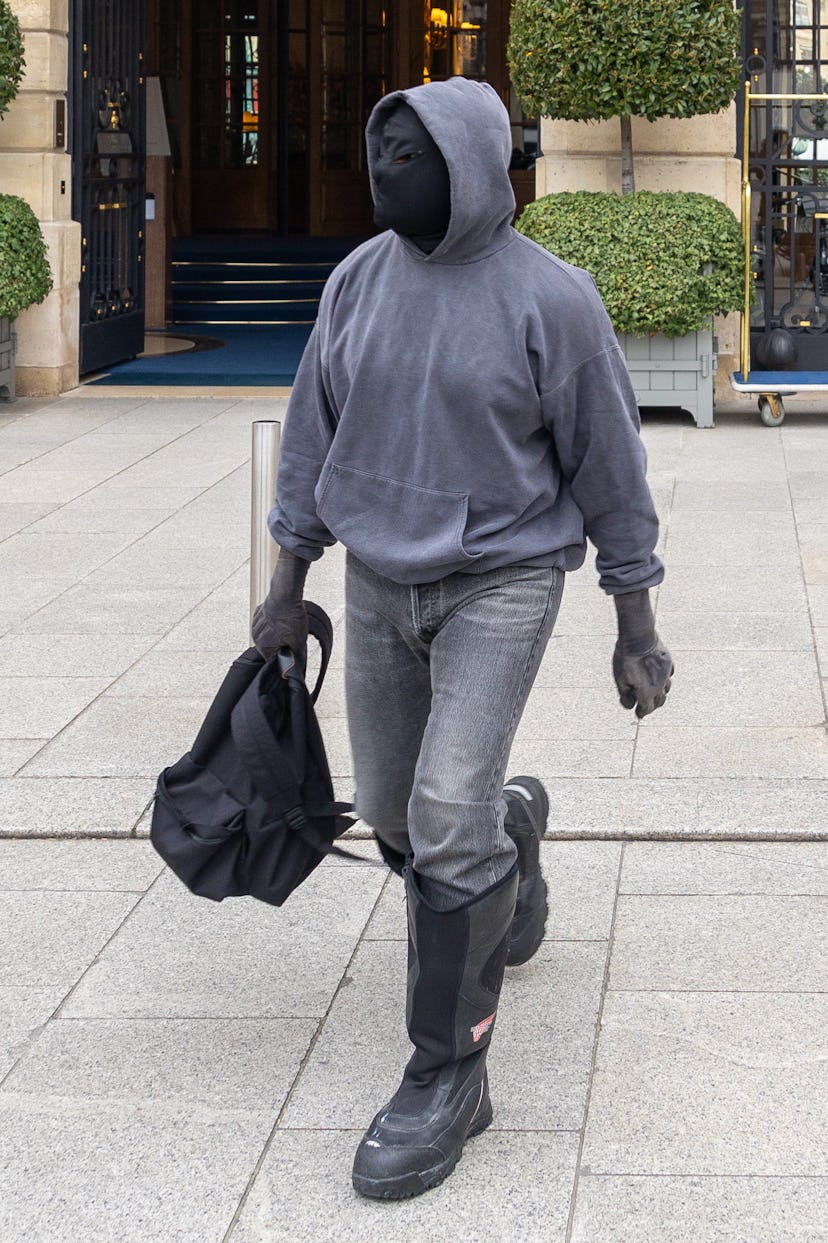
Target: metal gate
(786, 60)
(109, 176)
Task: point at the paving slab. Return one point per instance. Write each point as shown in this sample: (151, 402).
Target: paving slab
(738, 589)
(578, 757)
(71, 806)
(37, 707)
(115, 737)
(74, 655)
(715, 1210)
(155, 565)
(303, 1191)
(796, 868)
(813, 544)
(181, 956)
(770, 497)
(23, 1012)
(731, 942)
(80, 864)
(159, 674)
(136, 1174)
(540, 1055)
(218, 622)
(209, 1064)
(707, 751)
(25, 595)
(731, 543)
(14, 752)
(104, 609)
(577, 713)
(751, 689)
(87, 517)
(781, 808)
(18, 517)
(818, 603)
(694, 629)
(726, 1084)
(55, 936)
(574, 660)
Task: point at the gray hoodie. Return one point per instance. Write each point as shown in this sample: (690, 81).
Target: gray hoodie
(470, 408)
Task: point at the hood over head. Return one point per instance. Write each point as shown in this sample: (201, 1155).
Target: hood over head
(470, 125)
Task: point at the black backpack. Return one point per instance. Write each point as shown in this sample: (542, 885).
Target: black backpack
(250, 808)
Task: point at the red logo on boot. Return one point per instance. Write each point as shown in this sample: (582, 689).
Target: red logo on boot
(482, 1027)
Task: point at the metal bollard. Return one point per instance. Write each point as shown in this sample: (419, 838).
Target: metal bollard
(263, 549)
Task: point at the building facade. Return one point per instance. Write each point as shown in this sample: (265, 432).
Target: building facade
(140, 120)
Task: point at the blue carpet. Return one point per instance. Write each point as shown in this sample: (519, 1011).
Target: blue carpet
(250, 355)
(251, 300)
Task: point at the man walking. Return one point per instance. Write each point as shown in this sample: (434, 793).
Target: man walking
(461, 421)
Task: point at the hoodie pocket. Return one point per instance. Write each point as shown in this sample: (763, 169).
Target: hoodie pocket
(398, 529)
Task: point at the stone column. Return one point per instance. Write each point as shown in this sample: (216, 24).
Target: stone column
(35, 168)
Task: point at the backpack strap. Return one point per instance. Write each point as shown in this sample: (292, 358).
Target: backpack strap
(321, 627)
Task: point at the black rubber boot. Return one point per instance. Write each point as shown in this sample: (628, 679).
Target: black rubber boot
(456, 961)
(527, 808)
(392, 857)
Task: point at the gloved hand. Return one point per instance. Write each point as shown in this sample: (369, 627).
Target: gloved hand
(641, 665)
(281, 620)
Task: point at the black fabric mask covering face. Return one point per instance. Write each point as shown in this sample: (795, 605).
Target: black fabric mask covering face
(412, 190)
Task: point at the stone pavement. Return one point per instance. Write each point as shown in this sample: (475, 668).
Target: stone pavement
(178, 1070)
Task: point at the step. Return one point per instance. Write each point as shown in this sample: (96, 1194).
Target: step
(220, 271)
(255, 291)
(246, 312)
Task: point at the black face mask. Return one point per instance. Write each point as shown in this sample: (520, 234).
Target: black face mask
(412, 191)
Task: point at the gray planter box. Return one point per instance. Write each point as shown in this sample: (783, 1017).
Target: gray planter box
(675, 371)
(7, 344)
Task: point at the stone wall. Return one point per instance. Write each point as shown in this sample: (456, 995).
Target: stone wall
(33, 167)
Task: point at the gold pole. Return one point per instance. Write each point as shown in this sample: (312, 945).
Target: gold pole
(745, 334)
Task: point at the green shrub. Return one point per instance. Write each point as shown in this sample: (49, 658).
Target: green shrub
(25, 276)
(583, 60)
(662, 262)
(11, 56)
(588, 60)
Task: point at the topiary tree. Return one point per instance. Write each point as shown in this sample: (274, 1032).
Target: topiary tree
(12, 63)
(680, 256)
(589, 60)
(25, 276)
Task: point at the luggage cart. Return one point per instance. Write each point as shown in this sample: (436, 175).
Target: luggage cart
(772, 386)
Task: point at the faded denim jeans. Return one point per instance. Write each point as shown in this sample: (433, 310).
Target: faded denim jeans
(437, 677)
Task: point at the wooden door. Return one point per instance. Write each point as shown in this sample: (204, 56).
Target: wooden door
(232, 116)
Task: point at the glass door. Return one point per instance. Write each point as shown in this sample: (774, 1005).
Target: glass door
(353, 71)
(232, 127)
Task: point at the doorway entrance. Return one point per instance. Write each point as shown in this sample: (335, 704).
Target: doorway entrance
(267, 100)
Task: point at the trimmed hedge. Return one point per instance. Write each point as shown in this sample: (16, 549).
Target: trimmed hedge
(583, 60)
(11, 56)
(25, 276)
(663, 262)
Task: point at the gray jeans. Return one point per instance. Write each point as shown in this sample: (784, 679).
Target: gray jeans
(437, 677)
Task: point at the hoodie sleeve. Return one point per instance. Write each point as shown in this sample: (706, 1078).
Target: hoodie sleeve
(309, 427)
(593, 417)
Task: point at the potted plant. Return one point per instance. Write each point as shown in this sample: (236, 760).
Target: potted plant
(25, 277)
(664, 263)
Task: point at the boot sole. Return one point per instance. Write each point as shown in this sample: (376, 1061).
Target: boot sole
(415, 1184)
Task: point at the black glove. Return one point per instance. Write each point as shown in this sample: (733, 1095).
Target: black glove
(281, 620)
(641, 665)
